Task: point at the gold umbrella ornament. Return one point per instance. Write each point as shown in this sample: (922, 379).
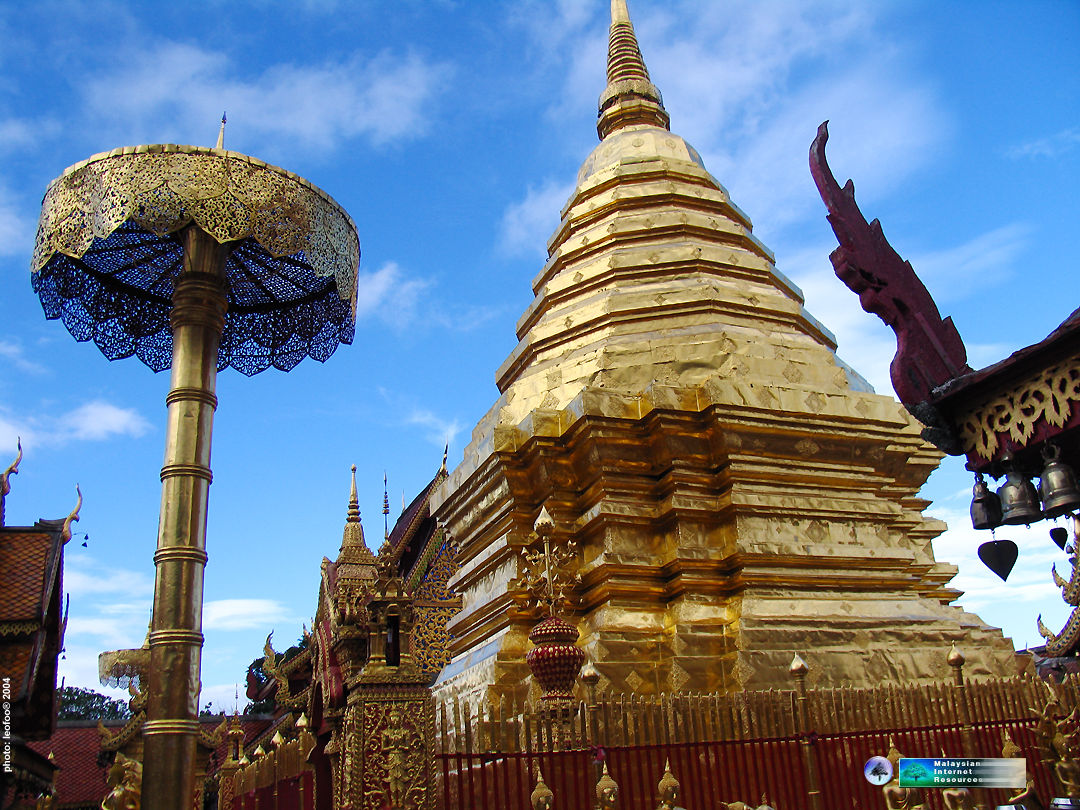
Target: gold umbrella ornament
(195, 259)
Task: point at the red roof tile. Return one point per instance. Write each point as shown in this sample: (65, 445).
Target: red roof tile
(79, 780)
(22, 576)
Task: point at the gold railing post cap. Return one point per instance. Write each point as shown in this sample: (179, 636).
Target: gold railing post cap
(543, 522)
(956, 658)
(798, 666)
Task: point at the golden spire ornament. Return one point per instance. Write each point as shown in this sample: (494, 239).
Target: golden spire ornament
(630, 98)
(192, 259)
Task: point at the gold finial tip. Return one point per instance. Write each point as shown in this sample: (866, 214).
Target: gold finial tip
(956, 658)
(619, 11)
(798, 666)
(353, 468)
(302, 721)
(221, 134)
(543, 521)
(277, 739)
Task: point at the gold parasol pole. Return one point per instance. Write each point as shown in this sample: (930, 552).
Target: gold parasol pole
(191, 259)
(197, 319)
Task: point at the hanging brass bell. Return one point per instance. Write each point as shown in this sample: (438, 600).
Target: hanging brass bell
(985, 506)
(1019, 500)
(1057, 485)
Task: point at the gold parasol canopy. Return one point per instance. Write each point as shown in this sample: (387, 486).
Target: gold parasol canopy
(108, 252)
(192, 259)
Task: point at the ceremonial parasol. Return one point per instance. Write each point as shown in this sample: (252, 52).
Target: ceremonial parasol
(195, 259)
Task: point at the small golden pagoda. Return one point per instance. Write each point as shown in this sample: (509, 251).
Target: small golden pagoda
(736, 492)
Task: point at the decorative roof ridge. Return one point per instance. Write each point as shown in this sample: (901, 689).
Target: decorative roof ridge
(414, 515)
(630, 97)
(5, 482)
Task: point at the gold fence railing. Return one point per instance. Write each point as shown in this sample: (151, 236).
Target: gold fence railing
(804, 747)
(278, 779)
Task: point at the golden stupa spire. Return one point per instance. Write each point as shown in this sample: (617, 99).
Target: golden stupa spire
(630, 98)
(353, 536)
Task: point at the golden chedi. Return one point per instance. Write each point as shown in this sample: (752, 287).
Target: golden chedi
(736, 493)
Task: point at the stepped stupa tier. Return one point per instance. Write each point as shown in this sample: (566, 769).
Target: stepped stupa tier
(736, 492)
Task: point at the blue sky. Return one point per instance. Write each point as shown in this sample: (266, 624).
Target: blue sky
(451, 132)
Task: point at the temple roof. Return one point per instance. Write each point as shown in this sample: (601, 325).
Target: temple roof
(76, 745)
(415, 526)
(31, 625)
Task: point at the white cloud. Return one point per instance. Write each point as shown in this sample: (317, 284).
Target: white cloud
(951, 273)
(225, 697)
(382, 98)
(765, 165)
(527, 225)
(1049, 147)
(243, 614)
(96, 420)
(863, 341)
(10, 433)
(1030, 588)
(735, 83)
(85, 577)
(389, 293)
(16, 229)
(439, 431)
(16, 133)
(13, 352)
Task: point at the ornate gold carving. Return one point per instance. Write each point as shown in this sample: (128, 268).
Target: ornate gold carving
(396, 763)
(284, 695)
(896, 797)
(668, 788)
(1047, 396)
(1067, 640)
(19, 628)
(547, 573)
(125, 785)
(1059, 743)
(431, 639)
(541, 798)
(230, 196)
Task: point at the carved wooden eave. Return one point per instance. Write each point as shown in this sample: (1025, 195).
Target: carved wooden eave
(1019, 404)
(1012, 407)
